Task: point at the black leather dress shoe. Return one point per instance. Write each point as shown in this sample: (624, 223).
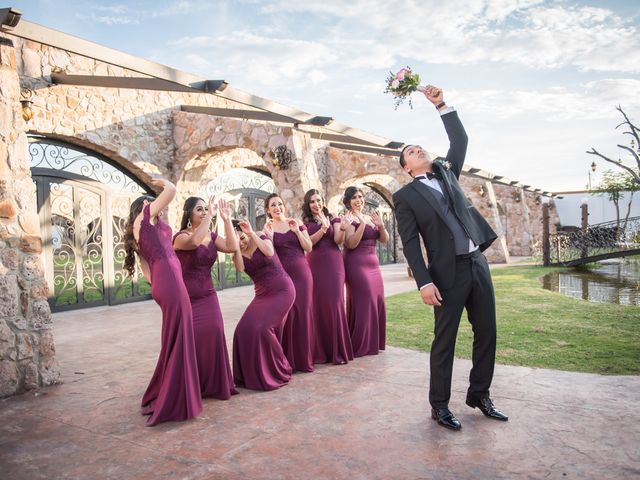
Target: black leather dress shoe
(445, 418)
(486, 406)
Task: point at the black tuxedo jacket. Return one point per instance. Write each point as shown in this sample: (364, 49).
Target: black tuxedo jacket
(419, 215)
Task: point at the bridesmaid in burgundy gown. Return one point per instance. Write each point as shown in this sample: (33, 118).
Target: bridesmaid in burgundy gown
(333, 341)
(259, 362)
(197, 249)
(291, 241)
(174, 390)
(366, 310)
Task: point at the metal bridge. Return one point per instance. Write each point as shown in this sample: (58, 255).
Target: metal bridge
(593, 243)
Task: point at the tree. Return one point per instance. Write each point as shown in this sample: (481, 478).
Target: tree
(632, 130)
(614, 184)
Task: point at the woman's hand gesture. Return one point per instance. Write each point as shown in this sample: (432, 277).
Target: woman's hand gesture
(245, 226)
(375, 218)
(211, 208)
(224, 209)
(324, 221)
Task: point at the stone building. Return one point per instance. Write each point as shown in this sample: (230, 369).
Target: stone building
(83, 129)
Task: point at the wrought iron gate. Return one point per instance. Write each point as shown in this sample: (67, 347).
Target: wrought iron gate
(83, 203)
(374, 200)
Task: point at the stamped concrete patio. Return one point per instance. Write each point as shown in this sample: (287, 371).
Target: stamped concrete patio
(365, 420)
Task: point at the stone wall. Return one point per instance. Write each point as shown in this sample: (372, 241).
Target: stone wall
(26, 342)
(132, 127)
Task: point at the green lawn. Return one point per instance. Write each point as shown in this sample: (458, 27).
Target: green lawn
(536, 327)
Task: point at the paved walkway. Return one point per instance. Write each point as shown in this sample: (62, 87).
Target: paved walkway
(365, 420)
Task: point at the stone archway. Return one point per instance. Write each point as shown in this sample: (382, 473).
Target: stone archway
(197, 136)
(214, 162)
(384, 184)
(378, 190)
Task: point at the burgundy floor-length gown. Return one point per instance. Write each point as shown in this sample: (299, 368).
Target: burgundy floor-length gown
(366, 312)
(174, 390)
(298, 336)
(333, 341)
(216, 380)
(259, 363)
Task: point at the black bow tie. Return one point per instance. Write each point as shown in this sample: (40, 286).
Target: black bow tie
(429, 176)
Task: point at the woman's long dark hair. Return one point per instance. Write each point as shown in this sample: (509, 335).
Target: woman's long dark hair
(130, 244)
(189, 204)
(349, 193)
(268, 199)
(307, 214)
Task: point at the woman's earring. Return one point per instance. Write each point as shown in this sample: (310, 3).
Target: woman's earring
(189, 223)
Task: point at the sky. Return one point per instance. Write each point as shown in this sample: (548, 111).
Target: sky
(535, 83)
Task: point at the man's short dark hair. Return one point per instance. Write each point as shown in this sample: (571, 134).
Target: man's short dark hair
(402, 160)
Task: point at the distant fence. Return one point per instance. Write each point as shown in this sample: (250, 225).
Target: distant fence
(591, 243)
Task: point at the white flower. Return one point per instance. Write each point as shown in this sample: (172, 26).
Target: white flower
(395, 83)
(445, 164)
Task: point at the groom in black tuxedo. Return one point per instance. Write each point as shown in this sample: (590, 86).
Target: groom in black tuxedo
(434, 207)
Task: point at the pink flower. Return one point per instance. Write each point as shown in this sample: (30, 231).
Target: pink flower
(402, 73)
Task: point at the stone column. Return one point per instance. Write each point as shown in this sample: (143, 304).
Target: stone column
(546, 246)
(498, 253)
(26, 342)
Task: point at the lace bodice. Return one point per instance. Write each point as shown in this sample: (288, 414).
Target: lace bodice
(154, 241)
(266, 272)
(287, 245)
(196, 266)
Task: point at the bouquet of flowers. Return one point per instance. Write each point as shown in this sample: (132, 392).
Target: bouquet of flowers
(401, 85)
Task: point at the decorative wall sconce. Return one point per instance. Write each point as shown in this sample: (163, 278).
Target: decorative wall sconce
(538, 200)
(517, 196)
(25, 100)
(281, 157)
(482, 191)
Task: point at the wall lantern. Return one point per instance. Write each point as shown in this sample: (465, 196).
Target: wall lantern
(281, 157)
(482, 191)
(517, 196)
(25, 100)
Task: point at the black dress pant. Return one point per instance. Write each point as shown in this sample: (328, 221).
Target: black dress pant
(473, 290)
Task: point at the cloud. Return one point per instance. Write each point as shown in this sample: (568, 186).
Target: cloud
(126, 15)
(114, 9)
(591, 101)
(182, 7)
(197, 61)
(111, 19)
(254, 58)
(317, 76)
(352, 39)
(520, 32)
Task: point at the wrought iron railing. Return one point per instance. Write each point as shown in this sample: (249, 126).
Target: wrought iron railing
(602, 240)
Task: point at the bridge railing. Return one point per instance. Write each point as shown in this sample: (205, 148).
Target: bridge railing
(593, 241)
